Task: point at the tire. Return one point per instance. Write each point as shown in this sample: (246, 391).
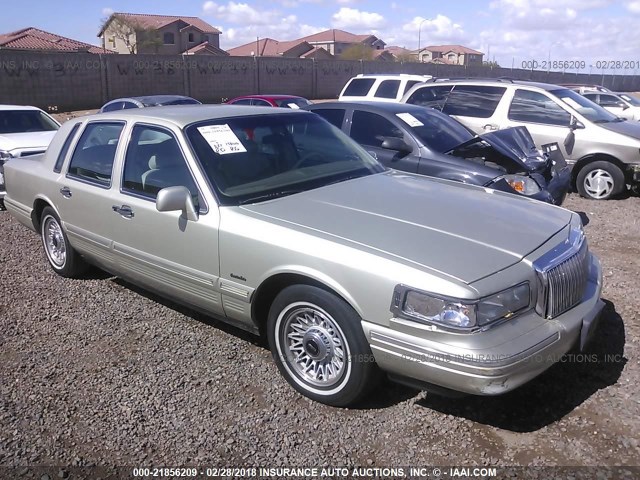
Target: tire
(600, 180)
(314, 324)
(64, 260)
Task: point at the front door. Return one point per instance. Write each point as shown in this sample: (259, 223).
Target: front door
(163, 250)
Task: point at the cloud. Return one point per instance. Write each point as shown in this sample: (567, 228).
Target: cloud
(107, 11)
(352, 18)
(633, 7)
(240, 13)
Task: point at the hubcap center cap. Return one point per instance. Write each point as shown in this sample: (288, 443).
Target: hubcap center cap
(317, 344)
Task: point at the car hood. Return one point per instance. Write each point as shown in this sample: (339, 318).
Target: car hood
(458, 230)
(514, 146)
(12, 142)
(628, 128)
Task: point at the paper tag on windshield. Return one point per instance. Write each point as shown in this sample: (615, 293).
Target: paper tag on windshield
(293, 105)
(410, 119)
(572, 103)
(221, 139)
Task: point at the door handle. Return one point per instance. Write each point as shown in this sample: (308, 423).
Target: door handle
(124, 210)
(490, 127)
(66, 192)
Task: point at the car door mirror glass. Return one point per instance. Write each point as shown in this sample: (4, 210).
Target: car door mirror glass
(170, 199)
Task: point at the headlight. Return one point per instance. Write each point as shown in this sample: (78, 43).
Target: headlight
(460, 314)
(521, 184)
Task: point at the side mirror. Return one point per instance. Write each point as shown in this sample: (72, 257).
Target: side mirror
(397, 144)
(623, 105)
(575, 124)
(171, 199)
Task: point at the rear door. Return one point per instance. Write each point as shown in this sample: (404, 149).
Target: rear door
(371, 129)
(86, 195)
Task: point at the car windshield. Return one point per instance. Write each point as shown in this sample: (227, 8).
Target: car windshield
(631, 99)
(585, 107)
(260, 157)
(436, 130)
(21, 121)
(292, 102)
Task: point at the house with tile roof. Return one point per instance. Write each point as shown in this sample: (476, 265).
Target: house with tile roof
(162, 34)
(32, 38)
(268, 47)
(336, 41)
(450, 55)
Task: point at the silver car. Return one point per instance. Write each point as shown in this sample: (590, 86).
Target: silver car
(275, 221)
(603, 149)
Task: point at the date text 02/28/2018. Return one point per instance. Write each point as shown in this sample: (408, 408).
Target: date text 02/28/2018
(580, 64)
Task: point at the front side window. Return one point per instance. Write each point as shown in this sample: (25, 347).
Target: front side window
(372, 129)
(609, 101)
(258, 102)
(388, 89)
(534, 107)
(154, 161)
(21, 121)
(479, 101)
(256, 158)
(359, 87)
(93, 156)
(242, 101)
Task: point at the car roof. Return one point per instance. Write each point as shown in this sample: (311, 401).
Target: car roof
(152, 98)
(182, 115)
(497, 81)
(388, 107)
(267, 96)
(396, 75)
(18, 107)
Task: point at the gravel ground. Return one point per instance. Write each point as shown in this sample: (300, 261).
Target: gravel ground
(98, 372)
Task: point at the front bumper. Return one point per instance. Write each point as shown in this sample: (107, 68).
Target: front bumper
(470, 363)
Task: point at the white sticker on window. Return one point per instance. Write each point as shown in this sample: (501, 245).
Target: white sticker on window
(293, 105)
(410, 119)
(572, 103)
(221, 139)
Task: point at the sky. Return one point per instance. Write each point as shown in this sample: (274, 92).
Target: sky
(508, 31)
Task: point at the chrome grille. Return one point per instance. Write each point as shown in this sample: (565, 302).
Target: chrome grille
(566, 282)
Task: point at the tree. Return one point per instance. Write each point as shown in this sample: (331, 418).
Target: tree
(406, 57)
(357, 51)
(131, 33)
(491, 64)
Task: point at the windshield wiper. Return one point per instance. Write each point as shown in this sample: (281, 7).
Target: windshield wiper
(349, 177)
(602, 120)
(269, 196)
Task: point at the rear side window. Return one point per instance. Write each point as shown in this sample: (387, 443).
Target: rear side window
(65, 148)
(388, 89)
(334, 116)
(433, 97)
(93, 157)
(372, 129)
(359, 87)
(534, 107)
(479, 101)
(260, 103)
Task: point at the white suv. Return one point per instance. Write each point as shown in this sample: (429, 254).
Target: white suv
(380, 87)
(24, 131)
(604, 149)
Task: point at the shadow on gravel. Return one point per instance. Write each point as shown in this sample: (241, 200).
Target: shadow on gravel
(196, 315)
(556, 392)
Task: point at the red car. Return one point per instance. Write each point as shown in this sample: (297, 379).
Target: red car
(286, 101)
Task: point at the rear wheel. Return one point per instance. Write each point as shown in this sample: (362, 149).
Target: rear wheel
(600, 180)
(64, 260)
(317, 342)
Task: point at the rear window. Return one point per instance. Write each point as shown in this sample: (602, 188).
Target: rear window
(359, 87)
(388, 89)
(478, 101)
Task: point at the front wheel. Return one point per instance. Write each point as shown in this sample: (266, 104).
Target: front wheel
(600, 180)
(317, 342)
(64, 260)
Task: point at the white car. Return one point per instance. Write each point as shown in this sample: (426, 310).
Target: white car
(621, 104)
(380, 87)
(24, 131)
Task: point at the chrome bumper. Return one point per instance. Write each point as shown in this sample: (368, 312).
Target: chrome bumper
(469, 363)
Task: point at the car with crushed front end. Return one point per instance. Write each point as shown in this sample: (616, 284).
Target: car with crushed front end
(422, 140)
(275, 221)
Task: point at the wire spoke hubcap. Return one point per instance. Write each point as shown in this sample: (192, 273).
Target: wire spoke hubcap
(598, 183)
(315, 346)
(54, 242)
